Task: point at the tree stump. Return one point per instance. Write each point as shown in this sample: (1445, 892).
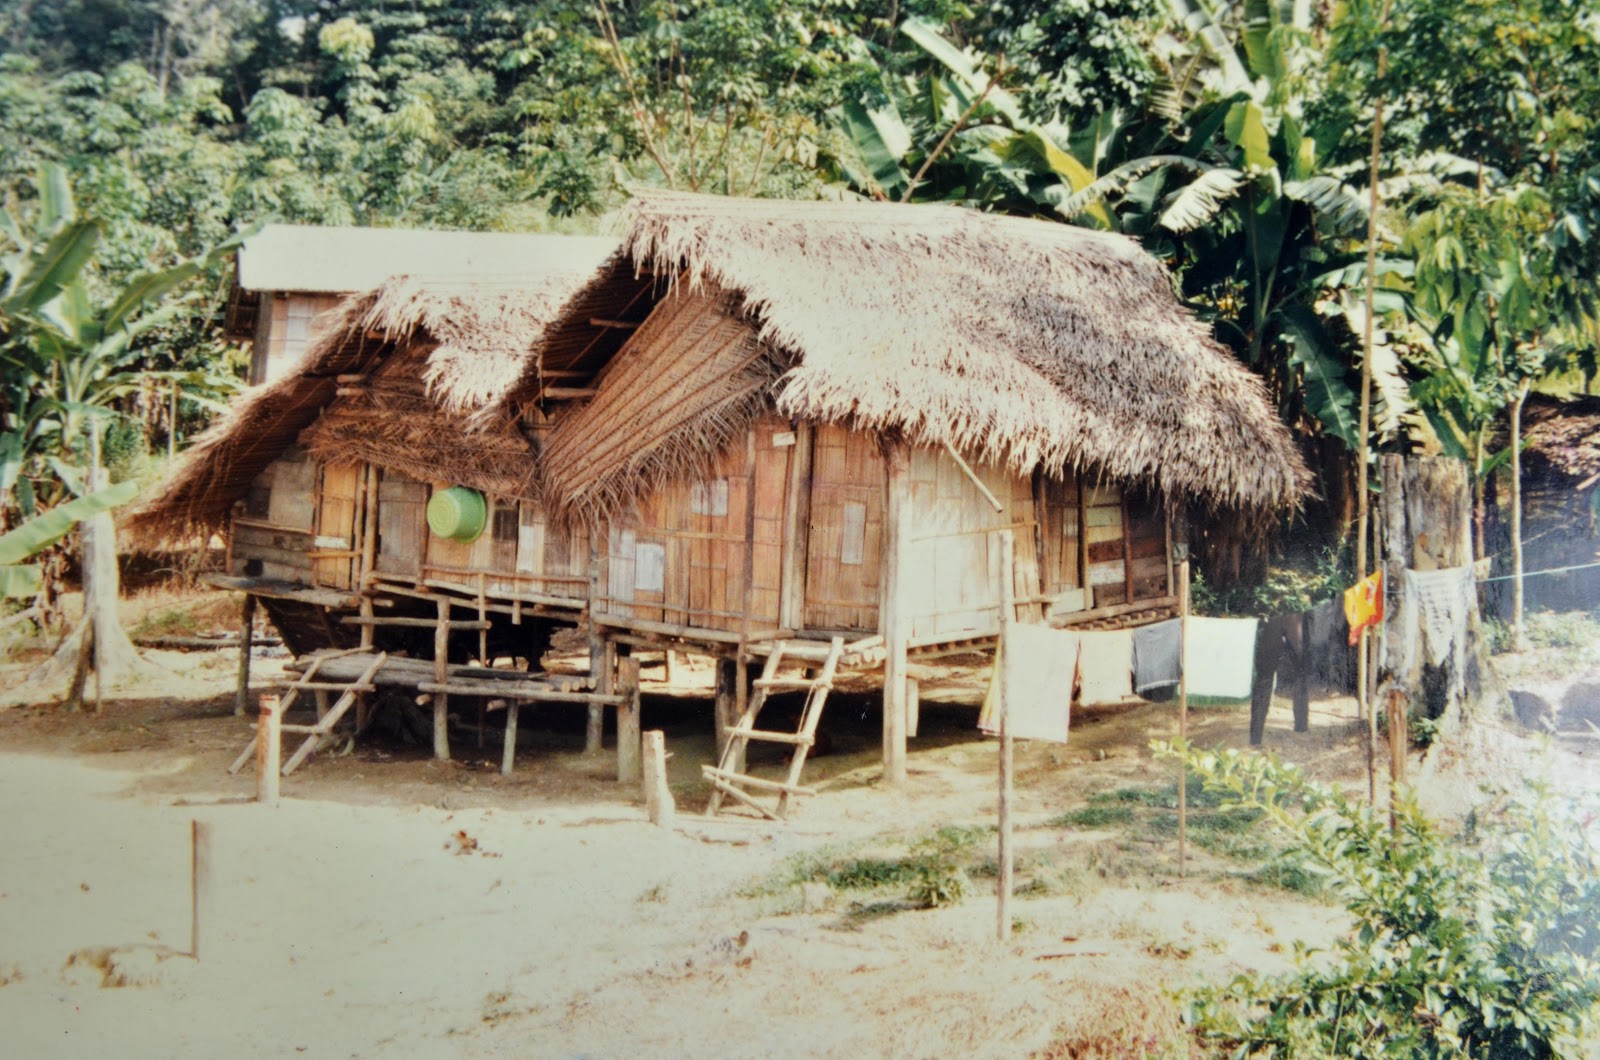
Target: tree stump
(1427, 526)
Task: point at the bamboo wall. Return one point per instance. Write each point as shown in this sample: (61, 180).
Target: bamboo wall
(284, 324)
(954, 585)
(681, 556)
(272, 537)
(845, 532)
(518, 553)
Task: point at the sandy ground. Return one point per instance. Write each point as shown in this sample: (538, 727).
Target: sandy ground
(395, 906)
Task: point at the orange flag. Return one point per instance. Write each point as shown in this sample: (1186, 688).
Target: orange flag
(1363, 604)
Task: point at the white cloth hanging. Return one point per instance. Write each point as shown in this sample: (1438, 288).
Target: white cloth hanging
(1219, 657)
(1039, 666)
(1435, 606)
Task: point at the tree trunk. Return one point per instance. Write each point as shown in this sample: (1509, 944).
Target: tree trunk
(1428, 517)
(109, 650)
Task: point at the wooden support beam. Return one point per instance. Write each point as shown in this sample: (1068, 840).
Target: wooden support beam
(441, 675)
(896, 618)
(602, 322)
(1007, 865)
(629, 747)
(913, 707)
(416, 623)
(988, 495)
(568, 393)
(247, 632)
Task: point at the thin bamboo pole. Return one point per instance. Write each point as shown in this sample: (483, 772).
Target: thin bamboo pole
(1363, 512)
(1183, 717)
(1006, 881)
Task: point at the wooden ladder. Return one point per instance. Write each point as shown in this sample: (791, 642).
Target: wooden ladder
(349, 693)
(725, 778)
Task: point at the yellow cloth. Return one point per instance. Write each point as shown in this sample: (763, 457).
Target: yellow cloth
(1363, 604)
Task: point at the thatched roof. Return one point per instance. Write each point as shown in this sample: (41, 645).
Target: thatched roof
(442, 355)
(1019, 342)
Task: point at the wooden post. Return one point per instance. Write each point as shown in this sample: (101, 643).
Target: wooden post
(1399, 741)
(602, 672)
(669, 667)
(658, 800)
(796, 531)
(441, 675)
(628, 743)
(913, 707)
(269, 751)
(508, 755)
(726, 705)
(1183, 717)
(1006, 882)
(599, 670)
(247, 634)
(199, 882)
(894, 620)
(172, 426)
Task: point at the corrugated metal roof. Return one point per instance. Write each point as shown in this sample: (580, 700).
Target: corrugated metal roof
(313, 259)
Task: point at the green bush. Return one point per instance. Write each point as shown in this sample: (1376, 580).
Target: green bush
(1480, 944)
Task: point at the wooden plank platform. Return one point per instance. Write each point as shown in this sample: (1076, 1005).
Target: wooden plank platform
(282, 590)
(397, 672)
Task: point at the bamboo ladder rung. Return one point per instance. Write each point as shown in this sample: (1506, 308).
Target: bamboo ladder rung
(798, 739)
(333, 686)
(788, 682)
(713, 773)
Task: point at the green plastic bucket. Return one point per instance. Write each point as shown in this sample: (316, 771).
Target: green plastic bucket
(458, 513)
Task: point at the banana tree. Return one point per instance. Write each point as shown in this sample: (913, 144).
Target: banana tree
(20, 580)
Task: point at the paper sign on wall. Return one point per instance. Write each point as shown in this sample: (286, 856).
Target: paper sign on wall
(649, 567)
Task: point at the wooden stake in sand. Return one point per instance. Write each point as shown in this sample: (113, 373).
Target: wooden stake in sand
(658, 800)
(1399, 740)
(199, 881)
(1007, 613)
(269, 749)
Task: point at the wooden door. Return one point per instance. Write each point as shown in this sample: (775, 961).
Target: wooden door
(335, 544)
(844, 546)
(402, 524)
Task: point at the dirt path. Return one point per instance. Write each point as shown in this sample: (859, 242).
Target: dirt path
(395, 906)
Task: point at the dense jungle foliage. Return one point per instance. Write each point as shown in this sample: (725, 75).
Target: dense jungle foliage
(1235, 140)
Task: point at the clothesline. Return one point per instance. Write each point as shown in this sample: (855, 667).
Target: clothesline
(1532, 573)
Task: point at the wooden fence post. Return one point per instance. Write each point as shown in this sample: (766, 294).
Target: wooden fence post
(1002, 702)
(441, 676)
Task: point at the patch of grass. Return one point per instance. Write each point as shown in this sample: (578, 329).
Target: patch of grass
(1101, 816)
(867, 874)
(1288, 876)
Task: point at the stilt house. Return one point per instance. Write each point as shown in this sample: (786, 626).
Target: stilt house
(758, 429)
(794, 421)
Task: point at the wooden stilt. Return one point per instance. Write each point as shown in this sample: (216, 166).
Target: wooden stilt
(602, 673)
(896, 621)
(441, 675)
(913, 708)
(247, 632)
(509, 754)
(628, 740)
(726, 705)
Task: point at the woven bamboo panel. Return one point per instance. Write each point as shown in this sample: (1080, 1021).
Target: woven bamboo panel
(402, 524)
(677, 394)
(844, 549)
(681, 557)
(954, 585)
